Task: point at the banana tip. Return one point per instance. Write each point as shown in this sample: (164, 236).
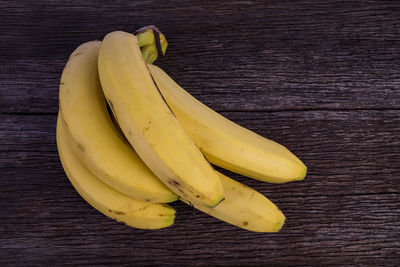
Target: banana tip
(303, 174)
(279, 223)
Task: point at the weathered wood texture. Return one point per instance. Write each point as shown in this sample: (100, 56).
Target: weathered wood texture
(320, 77)
(275, 56)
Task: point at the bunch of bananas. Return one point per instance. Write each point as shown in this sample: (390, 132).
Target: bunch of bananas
(130, 140)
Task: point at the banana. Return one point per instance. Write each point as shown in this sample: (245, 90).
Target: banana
(243, 207)
(225, 143)
(95, 139)
(246, 208)
(132, 212)
(149, 124)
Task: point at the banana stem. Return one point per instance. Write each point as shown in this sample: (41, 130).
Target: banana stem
(152, 43)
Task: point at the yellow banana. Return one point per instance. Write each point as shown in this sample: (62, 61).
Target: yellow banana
(246, 208)
(225, 143)
(132, 212)
(95, 139)
(149, 124)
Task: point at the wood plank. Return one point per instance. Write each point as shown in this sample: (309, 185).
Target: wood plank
(346, 211)
(320, 77)
(244, 55)
(352, 229)
(339, 148)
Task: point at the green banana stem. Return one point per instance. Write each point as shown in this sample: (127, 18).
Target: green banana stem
(149, 53)
(152, 43)
(145, 38)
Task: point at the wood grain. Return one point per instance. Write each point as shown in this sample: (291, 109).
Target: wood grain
(286, 56)
(320, 77)
(347, 205)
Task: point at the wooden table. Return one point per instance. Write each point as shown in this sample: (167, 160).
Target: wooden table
(320, 77)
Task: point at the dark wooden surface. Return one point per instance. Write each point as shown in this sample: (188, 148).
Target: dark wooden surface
(320, 77)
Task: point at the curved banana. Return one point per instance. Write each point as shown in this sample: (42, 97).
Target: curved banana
(225, 143)
(132, 212)
(95, 139)
(150, 126)
(246, 208)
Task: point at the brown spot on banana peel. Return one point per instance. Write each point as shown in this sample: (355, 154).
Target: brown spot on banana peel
(173, 182)
(147, 127)
(145, 207)
(245, 223)
(80, 146)
(179, 187)
(117, 212)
